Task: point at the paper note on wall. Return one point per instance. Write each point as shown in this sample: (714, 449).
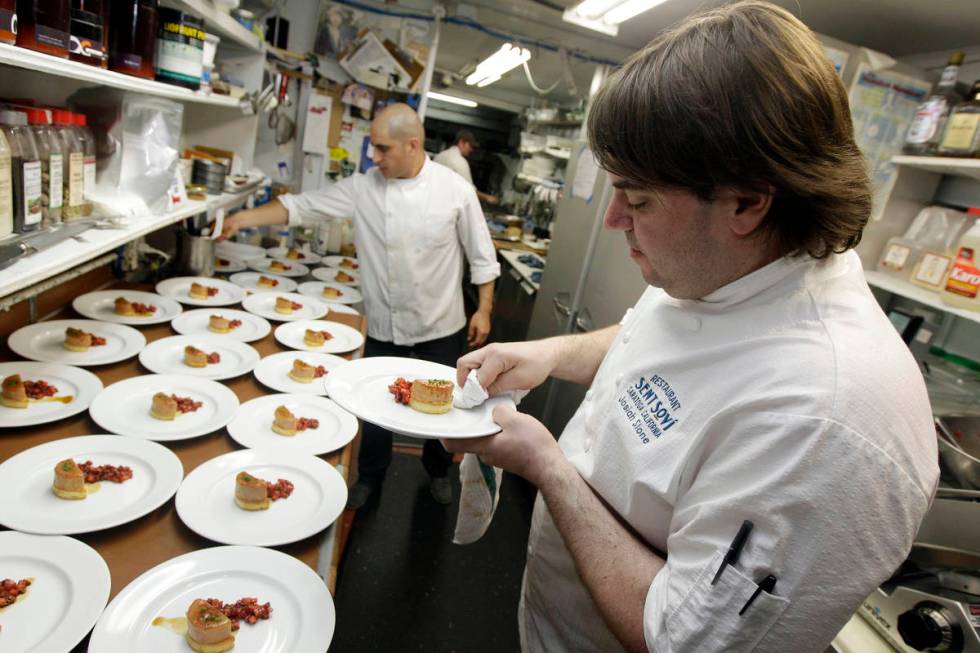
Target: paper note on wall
(837, 57)
(585, 174)
(317, 128)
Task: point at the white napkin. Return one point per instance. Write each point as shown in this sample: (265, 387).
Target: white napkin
(480, 482)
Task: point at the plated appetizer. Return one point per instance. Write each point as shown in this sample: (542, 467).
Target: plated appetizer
(350, 264)
(200, 291)
(266, 282)
(81, 341)
(285, 423)
(294, 254)
(220, 324)
(332, 293)
(279, 266)
(127, 308)
(194, 357)
(17, 393)
(313, 338)
(71, 480)
(286, 306)
(208, 629)
(433, 396)
(253, 493)
(343, 277)
(305, 373)
(168, 407)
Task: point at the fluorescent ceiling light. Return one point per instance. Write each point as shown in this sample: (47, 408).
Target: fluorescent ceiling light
(451, 99)
(497, 64)
(606, 15)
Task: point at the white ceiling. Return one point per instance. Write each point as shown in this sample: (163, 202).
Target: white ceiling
(896, 27)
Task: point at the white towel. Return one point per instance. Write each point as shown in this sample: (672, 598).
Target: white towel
(480, 482)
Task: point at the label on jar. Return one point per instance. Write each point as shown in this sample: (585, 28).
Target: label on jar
(961, 132)
(8, 21)
(32, 192)
(56, 181)
(76, 178)
(83, 47)
(932, 270)
(6, 198)
(926, 121)
(895, 257)
(180, 52)
(50, 36)
(89, 175)
(964, 278)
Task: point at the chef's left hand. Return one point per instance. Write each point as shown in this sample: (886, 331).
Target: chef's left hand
(524, 446)
(479, 329)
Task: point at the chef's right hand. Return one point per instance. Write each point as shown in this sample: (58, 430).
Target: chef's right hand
(505, 366)
(231, 226)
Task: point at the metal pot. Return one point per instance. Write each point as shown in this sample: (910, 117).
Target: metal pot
(963, 466)
(195, 254)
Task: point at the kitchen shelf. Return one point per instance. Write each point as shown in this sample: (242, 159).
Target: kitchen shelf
(222, 24)
(969, 168)
(916, 293)
(554, 123)
(12, 55)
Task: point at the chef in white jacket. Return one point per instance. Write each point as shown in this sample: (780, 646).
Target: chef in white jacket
(756, 379)
(414, 222)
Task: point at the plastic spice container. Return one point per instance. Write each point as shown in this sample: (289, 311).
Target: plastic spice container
(73, 175)
(88, 43)
(6, 189)
(49, 149)
(180, 48)
(43, 25)
(133, 37)
(8, 21)
(25, 169)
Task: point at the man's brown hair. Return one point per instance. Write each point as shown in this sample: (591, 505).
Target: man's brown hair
(741, 96)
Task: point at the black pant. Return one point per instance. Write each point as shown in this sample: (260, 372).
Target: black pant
(375, 456)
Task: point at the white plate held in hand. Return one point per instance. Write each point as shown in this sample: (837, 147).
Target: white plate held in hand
(100, 305)
(206, 499)
(124, 407)
(361, 387)
(252, 426)
(195, 323)
(166, 356)
(31, 506)
(70, 588)
(44, 341)
(303, 616)
(81, 385)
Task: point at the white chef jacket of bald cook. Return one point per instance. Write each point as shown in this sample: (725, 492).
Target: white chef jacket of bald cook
(411, 235)
(785, 398)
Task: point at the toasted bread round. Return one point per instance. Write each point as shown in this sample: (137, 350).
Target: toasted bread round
(65, 494)
(163, 417)
(13, 403)
(253, 505)
(76, 347)
(299, 379)
(211, 328)
(426, 407)
(281, 431)
(218, 647)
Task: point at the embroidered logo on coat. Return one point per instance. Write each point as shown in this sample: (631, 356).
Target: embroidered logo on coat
(650, 407)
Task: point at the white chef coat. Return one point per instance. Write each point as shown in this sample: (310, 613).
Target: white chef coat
(411, 235)
(453, 159)
(785, 398)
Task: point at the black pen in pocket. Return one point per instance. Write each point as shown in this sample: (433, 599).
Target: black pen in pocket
(735, 549)
(767, 585)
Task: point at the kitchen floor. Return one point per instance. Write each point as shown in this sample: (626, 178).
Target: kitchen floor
(404, 585)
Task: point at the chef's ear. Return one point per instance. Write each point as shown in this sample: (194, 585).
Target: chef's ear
(749, 207)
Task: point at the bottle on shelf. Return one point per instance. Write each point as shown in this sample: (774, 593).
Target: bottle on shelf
(44, 25)
(180, 48)
(963, 281)
(8, 21)
(73, 168)
(87, 139)
(88, 43)
(25, 168)
(6, 189)
(133, 37)
(50, 150)
(934, 230)
(930, 117)
(962, 134)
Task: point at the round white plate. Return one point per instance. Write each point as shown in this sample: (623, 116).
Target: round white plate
(273, 371)
(166, 356)
(178, 289)
(195, 323)
(329, 275)
(344, 339)
(70, 589)
(252, 426)
(234, 264)
(44, 341)
(309, 258)
(303, 616)
(262, 265)
(264, 304)
(32, 507)
(124, 407)
(80, 384)
(240, 251)
(361, 387)
(334, 261)
(250, 282)
(315, 289)
(206, 498)
(100, 305)
(342, 308)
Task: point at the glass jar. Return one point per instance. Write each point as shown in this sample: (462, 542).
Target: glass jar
(43, 25)
(133, 37)
(88, 43)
